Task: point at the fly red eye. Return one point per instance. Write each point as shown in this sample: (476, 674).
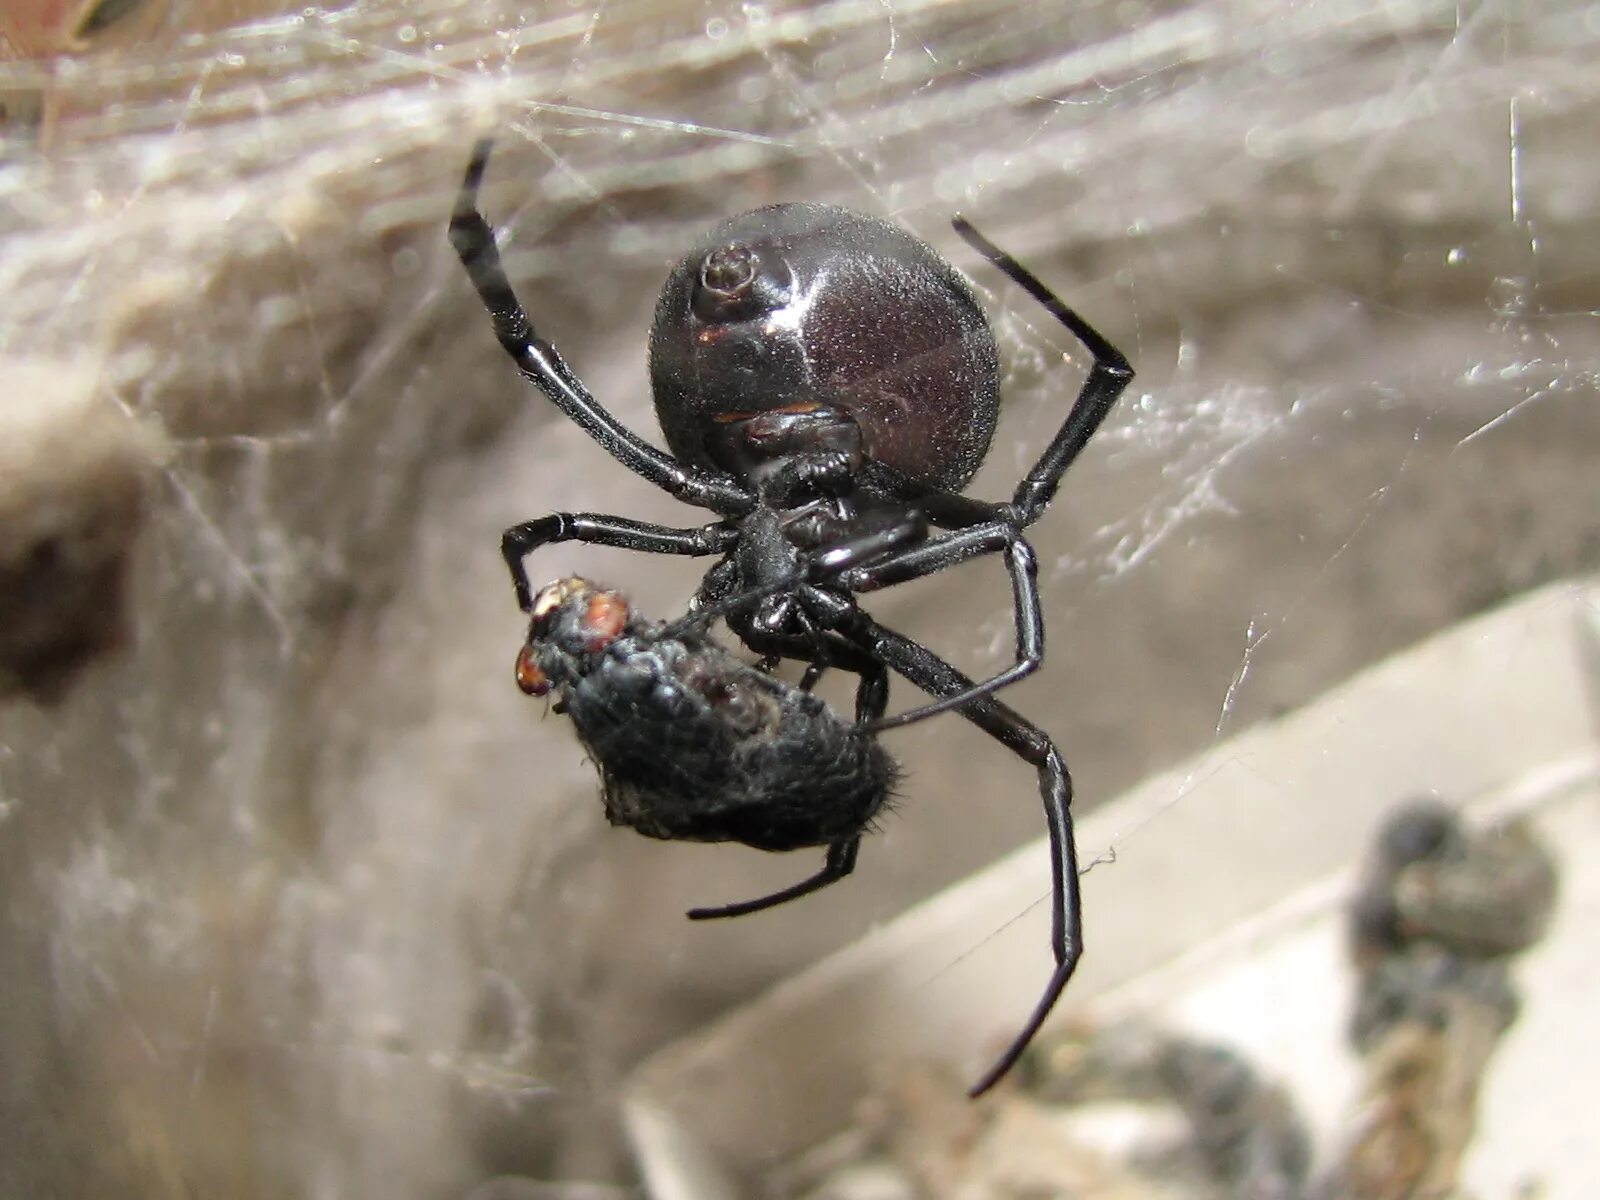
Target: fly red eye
(604, 620)
(529, 677)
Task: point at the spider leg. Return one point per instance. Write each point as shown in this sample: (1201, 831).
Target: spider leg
(808, 682)
(598, 529)
(868, 562)
(817, 659)
(931, 673)
(1107, 377)
(829, 650)
(538, 360)
(841, 860)
(872, 696)
(809, 648)
(939, 553)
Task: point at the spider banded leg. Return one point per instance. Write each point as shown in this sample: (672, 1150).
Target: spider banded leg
(598, 529)
(931, 673)
(1109, 375)
(538, 360)
(872, 695)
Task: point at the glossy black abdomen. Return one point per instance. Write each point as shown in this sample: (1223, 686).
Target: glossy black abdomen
(809, 304)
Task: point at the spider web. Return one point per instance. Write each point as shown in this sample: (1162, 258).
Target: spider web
(305, 900)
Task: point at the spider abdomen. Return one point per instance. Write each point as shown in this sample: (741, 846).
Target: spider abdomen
(809, 306)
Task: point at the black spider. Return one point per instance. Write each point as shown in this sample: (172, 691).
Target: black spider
(827, 383)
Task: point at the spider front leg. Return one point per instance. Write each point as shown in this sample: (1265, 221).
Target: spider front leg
(598, 529)
(538, 360)
(931, 556)
(1030, 743)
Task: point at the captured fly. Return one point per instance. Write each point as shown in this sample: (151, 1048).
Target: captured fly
(695, 745)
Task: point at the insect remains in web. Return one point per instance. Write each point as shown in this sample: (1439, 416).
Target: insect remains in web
(827, 385)
(694, 744)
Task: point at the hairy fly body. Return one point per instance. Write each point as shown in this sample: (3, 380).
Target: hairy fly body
(691, 743)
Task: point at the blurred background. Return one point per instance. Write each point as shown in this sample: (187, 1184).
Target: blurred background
(302, 898)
